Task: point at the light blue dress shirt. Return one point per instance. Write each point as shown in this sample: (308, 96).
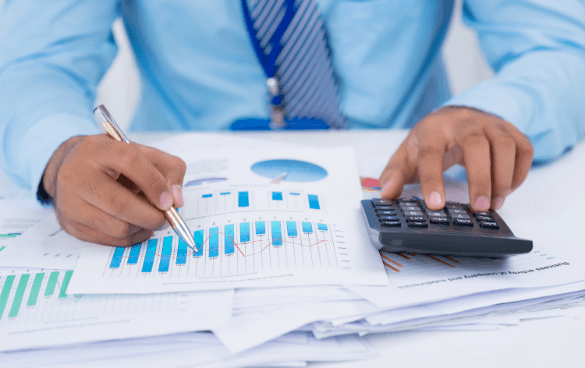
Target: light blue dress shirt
(199, 71)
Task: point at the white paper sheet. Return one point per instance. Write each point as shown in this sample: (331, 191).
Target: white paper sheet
(36, 310)
(258, 223)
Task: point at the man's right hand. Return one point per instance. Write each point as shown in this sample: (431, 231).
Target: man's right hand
(94, 181)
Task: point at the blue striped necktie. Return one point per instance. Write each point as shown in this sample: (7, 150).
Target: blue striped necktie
(291, 43)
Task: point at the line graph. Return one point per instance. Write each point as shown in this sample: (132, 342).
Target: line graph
(229, 249)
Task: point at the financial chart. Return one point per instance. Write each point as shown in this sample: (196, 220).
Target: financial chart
(231, 249)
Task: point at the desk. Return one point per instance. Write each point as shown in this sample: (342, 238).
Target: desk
(552, 196)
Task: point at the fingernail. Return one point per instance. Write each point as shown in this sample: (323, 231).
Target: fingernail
(498, 203)
(435, 199)
(482, 203)
(178, 194)
(166, 200)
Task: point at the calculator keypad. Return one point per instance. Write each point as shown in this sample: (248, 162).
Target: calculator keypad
(416, 214)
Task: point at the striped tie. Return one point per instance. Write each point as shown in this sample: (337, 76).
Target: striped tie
(291, 43)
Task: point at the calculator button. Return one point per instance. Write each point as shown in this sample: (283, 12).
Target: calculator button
(460, 216)
(489, 224)
(418, 224)
(484, 218)
(382, 202)
(463, 222)
(385, 208)
(482, 214)
(414, 219)
(454, 205)
(457, 210)
(413, 213)
(391, 223)
(439, 220)
(436, 213)
(388, 217)
(393, 213)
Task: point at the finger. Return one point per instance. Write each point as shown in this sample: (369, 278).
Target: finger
(430, 168)
(503, 156)
(127, 159)
(476, 158)
(111, 197)
(397, 171)
(171, 167)
(85, 233)
(524, 156)
(77, 210)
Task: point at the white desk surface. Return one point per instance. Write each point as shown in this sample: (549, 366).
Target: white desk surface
(553, 196)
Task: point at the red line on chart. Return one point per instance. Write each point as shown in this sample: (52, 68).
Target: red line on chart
(235, 244)
(387, 265)
(440, 260)
(454, 260)
(390, 260)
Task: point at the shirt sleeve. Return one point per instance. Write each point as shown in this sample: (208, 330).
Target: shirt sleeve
(52, 57)
(537, 48)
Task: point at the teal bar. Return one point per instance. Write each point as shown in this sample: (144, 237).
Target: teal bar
(117, 258)
(50, 290)
(165, 258)
(228, 231)
(322, 227)
(260, 228)
(65, 285)
(207, 196)
(6, 293)
(36, 288)
(276, 233)
(314, 202)
(244, 232)
(291, 228)
(307, 227)
(134, 253)
(277, 196)
(17, 302)
(243, 200)
(2, 248)
(198, 237)
(213, 242)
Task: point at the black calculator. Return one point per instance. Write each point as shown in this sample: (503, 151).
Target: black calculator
(407, 225)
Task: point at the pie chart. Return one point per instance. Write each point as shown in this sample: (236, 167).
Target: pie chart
(289, 170)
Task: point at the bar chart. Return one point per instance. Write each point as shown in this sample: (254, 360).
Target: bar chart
(230, 249)
(42, 297)
(206, 203)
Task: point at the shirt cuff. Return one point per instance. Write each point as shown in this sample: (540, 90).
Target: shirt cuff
(44, 137)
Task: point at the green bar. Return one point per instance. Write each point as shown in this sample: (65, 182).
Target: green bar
(1, 248)
(51, 284)
(36, 288)
(19, 295)
(66, 279)
(6, 293)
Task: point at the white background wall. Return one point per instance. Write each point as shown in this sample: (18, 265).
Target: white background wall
(119, 89)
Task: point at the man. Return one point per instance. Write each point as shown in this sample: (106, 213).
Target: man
(206, 65)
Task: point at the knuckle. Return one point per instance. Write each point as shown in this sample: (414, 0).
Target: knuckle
(130, 157)
(475, 138)
(118, 205)
(428, 152)
(119, 229)
(154, 222)
(506, 142)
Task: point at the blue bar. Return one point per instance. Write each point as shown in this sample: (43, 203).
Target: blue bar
(314, 202)
(243, 199)
(244, 232)
(276, 233)
(229, 238)
(165, 259)
(260, 228)
(291, 228)
(181, 252)
(134, 253)
(207, 195)
(295, 194)
(277, 196)
(149, 256)
(117, 258)
(307, 227)
(198, 238)
(214, 242)
(224, 193)
(322, 227)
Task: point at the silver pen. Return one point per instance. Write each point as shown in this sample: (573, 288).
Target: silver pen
(171, 215)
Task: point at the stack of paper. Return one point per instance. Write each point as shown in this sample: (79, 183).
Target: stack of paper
(283, 273)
